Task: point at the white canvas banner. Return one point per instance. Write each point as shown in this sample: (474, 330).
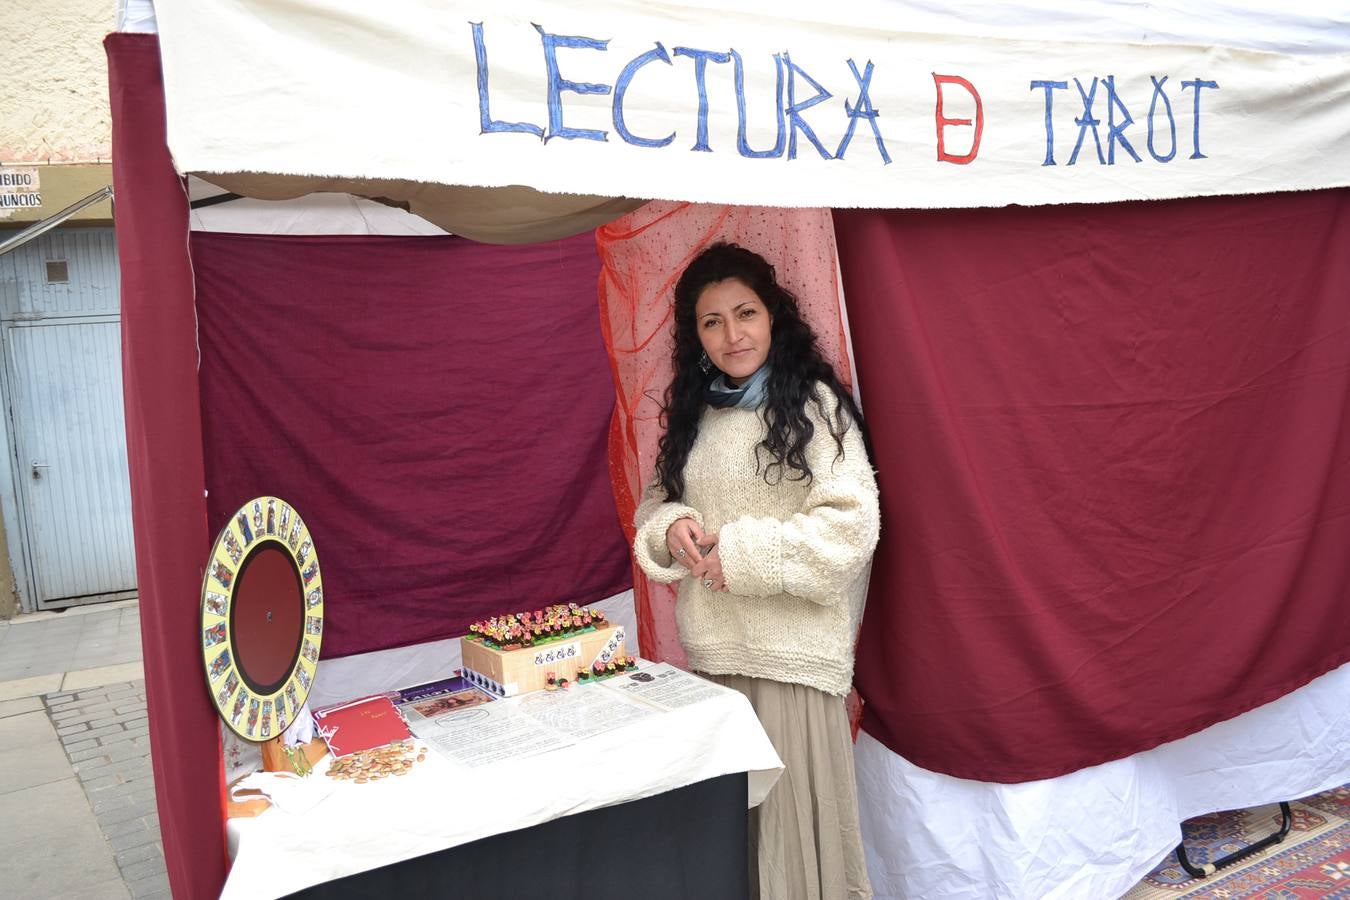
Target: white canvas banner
(806, 106)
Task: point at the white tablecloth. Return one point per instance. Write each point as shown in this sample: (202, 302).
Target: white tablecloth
(440, 804)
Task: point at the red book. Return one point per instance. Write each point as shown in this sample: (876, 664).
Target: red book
(361, 725)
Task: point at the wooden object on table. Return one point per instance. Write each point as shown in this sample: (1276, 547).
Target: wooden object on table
(506, 673)
(246, 808)
(275, 759)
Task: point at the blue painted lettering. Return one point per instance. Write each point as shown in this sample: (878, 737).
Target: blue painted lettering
(557, 84)
(486, 123)
(1115, 134)
(795, 109)
(1171, 120)
(1050, 87)
(621, 88)
(742, 144)
(862, 110)
(1198, 84)
(701, 58)
(1085, 122)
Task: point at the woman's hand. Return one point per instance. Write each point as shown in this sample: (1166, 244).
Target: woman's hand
(682, 540)
(709, 569)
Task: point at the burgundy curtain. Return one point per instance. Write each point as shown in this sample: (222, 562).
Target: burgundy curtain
(435, 408)
(1114, 454)
(164, 452)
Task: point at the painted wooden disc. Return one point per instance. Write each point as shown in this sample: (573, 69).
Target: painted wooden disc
(261, 618)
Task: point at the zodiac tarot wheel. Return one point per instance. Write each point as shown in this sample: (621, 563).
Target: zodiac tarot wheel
(261, 618)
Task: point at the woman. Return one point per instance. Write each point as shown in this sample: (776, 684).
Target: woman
(764, 506)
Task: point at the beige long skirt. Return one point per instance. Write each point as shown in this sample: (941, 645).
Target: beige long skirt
(804, 838)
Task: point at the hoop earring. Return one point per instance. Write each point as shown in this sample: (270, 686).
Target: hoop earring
(704, 363)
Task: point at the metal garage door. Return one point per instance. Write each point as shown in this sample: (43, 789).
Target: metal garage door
(67, 443)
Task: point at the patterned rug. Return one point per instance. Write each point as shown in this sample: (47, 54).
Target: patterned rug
(1312, 862)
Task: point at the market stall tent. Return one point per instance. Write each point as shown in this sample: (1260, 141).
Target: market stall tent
(1029, 375)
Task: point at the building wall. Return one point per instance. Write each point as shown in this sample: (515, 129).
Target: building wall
(54, 118)
(54, 82)
(54, 103)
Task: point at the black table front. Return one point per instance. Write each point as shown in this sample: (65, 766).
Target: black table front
(680, 845)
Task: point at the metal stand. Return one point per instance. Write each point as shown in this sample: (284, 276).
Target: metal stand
(1210, 868)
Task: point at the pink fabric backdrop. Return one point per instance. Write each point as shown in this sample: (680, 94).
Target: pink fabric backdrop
(642, 256)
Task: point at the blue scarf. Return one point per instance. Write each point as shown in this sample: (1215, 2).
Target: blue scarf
(750, 395)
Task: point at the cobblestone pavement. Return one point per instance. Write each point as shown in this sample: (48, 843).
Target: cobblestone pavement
(105, 735)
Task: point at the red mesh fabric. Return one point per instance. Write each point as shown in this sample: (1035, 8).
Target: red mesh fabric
(642, 256)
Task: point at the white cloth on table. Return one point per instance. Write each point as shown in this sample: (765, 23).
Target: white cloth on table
(440, 804)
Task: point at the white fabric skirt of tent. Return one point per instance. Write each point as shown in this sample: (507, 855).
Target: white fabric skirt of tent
(1095, 832)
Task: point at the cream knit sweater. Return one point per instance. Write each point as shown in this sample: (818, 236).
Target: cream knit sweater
(794, 554)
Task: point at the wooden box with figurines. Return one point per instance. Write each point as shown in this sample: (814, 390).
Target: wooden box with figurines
(546, 648)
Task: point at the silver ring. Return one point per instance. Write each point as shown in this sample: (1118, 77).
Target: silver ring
(707, 582)
(680, 552)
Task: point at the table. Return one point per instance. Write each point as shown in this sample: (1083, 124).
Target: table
(445, 803)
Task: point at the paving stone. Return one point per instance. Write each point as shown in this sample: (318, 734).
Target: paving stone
(121, 735)
(58, 851)
(100, 732)
(150, 887)
(31, 730)
(91, 750)
(141, 854)
(141, 731)
(108, 718)
(89, 705)
(96, 706)
(101, 724)
(102, 676)
(120, 842)
(113, 889)
(29, 687)
(60, 716)
(98, 784)
(135, 789)
(130, 826)
(132, 768)
(24, 768)
(142, 871)
(108, 804)
(133, 810)
(126, 750)
(19, 706)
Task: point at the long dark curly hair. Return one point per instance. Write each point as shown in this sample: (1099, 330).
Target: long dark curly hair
(796, 367)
